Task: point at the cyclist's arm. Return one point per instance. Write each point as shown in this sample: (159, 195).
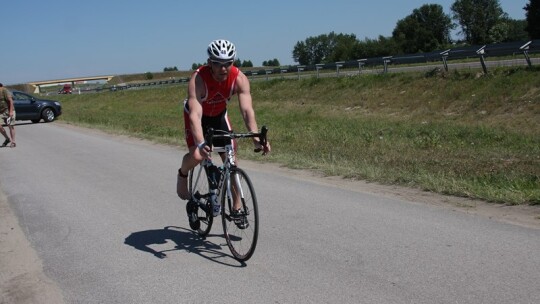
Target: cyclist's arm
(246, 108)
(246, 103)
(195, 92)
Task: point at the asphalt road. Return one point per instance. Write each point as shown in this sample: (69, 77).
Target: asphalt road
(96, 208)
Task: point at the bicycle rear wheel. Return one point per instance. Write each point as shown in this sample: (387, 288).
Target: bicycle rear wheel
(241, 229)
(199, 188)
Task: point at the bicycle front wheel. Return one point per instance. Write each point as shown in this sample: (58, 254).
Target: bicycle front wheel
(199, 189)
(240, 215)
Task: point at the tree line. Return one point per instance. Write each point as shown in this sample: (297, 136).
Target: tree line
(426, 29)
(245, 63)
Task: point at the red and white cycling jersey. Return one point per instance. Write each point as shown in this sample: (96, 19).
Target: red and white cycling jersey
(217, 93)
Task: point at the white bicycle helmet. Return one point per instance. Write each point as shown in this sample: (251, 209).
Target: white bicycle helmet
(221, 50)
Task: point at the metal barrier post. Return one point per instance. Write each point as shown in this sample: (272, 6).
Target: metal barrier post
(300, 69)
(444, 59)
(283, 71)
(319, 66)
(338, 65)
(361, 63)
(525, 49)
(481, 53)
(386, 61)
(267, 73)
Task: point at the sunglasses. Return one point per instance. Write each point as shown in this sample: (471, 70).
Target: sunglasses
(221, 64)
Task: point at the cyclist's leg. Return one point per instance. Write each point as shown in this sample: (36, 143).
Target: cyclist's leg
(237, 201)
(189, 161)
(200, 206)
(225, 125)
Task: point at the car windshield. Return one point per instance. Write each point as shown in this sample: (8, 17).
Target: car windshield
(20, 96)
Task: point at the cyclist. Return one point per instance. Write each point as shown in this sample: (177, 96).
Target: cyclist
(209, 90)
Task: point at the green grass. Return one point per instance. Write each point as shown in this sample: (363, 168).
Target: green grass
(454, 133)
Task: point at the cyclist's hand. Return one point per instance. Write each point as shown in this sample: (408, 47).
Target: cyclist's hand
(205, 151)
(265, 150)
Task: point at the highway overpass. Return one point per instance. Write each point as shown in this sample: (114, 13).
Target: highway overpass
(37, 84)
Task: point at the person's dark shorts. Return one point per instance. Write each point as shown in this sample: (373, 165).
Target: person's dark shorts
(219, 122)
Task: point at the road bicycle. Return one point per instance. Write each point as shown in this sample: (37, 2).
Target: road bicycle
(221, 187)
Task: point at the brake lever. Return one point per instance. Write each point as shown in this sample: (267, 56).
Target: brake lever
(262, 139)
(209, 137)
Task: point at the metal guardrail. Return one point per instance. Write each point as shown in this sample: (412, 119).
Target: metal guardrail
(398, 63)
(459, 53)
(390, 63)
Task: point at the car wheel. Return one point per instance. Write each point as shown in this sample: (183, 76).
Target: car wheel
(48, 115)
(35, 120)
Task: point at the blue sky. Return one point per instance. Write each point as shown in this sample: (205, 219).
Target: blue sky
(55, 39)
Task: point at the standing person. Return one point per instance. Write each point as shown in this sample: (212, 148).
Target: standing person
(7, 113)
(209, 91)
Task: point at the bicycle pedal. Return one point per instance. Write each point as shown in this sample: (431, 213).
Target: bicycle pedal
(193, 218)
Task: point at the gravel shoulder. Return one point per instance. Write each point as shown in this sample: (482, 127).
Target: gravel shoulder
(22, 279)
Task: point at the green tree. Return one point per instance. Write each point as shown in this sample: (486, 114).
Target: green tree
(477, 19)
(533, 18)
(170, 69)
(343, 47)
(426, 29)
(325, 48)
(508, 30)
(273, 62)
(247, 64)
(195, 66)
(383, 46)
(517, 30)
(148, 75)
(312, 51)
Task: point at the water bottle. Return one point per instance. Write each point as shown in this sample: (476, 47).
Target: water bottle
(214, 175)
(216, 206)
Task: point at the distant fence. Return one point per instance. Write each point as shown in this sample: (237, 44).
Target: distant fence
(518, 48)
(455, 58)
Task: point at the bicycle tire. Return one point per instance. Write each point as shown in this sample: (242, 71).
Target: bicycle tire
(198, 176)
(241, 242)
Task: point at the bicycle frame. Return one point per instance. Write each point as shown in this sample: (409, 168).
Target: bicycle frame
(229, 187)
(229, 162)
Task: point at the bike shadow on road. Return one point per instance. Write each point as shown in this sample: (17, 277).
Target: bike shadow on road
(184, 239)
